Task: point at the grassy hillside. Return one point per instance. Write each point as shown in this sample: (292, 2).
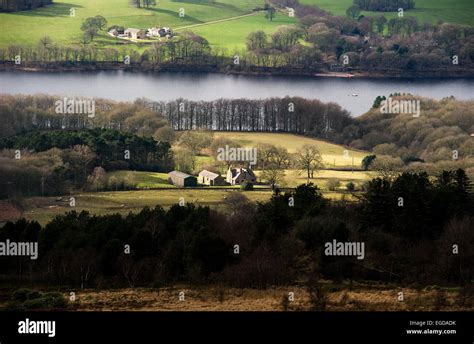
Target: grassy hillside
(332, 154)
(27, 27)
(232, 34)
(143, 180)
(155, 180)
(294, 178)
(43, 209)
(451, 11)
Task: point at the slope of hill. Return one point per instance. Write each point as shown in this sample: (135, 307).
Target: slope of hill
(62, 20)
(442, 126)
(333, 155)
(450, 11)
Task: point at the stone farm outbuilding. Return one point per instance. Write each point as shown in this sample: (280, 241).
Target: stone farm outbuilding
(181, 179)
(211, 178)
(135, 33)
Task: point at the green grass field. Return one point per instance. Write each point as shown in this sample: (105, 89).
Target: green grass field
(201, 16)
(155, 180)
(332, 154)
(44, 209)
(294, 178)
(143, 180)
(27, 27)
(232, 34)
(451, 11)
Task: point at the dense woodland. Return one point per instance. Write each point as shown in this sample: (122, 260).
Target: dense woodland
(109, 145)
(144, 117)
(24, 113)
(289, 114)
(320, 42)
(58, 162)
(439, 138)
(372, 43)
(442, 126)
(279, 244)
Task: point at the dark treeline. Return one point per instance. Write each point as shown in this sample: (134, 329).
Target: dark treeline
(289, 114)
(384, 5)
(59, 162)
(25, 113)
(143, 3)
(188, 48)
(422, 205)
(144, 117)
(109, 146)
(278, 244)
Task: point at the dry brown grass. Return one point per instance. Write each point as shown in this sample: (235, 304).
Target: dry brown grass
(274, 299)
(9, 212)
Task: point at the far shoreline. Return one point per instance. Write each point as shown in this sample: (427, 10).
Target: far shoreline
(95, 67)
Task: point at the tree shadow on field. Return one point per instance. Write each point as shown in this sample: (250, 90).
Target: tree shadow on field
(187, 18)
(55, 10)
(211, 3)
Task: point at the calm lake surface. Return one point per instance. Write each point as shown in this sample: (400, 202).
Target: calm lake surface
(355, 95)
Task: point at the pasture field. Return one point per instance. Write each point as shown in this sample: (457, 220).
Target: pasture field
(434, 11)
(293, 178)
(44, 209)
(232, 34)
(332, 154)
(224, 23)
(55, 21)
(154, 180)
(143, 180)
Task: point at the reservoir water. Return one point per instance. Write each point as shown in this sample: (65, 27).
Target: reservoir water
(355, 95)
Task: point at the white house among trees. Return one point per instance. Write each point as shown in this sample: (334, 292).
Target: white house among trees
(236, 176)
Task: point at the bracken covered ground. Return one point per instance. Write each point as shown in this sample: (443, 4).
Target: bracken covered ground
(360, 298)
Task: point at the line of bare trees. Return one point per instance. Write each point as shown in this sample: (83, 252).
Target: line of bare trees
(289, 114)
(144, 117)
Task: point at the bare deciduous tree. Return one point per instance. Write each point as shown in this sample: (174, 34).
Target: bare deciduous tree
(308, 159)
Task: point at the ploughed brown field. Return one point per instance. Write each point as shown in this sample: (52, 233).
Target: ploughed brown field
(360, 298)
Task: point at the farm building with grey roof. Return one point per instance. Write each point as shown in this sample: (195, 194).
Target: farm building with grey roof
(181, 179)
